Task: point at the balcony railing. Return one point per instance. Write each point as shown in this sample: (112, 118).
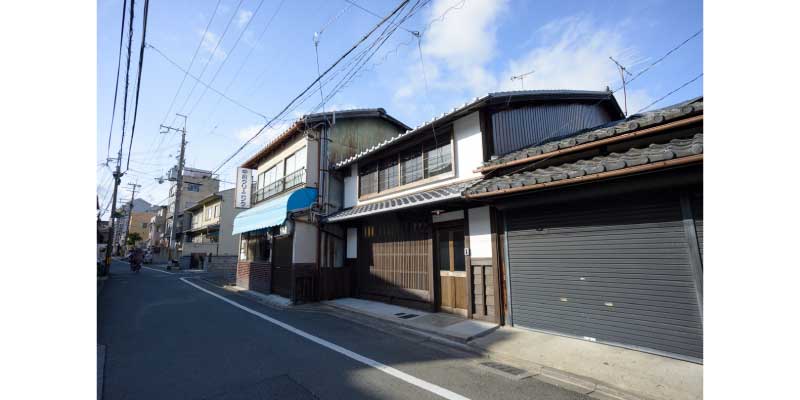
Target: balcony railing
(283, 184)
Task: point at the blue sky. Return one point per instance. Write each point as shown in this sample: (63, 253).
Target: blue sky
(472, 47)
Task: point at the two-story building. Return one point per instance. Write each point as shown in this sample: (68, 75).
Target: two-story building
(411, 237)
(546, 210)
(211, 230)
(197, 185)
(280, 240)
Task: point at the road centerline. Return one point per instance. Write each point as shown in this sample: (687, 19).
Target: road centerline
(422, 384)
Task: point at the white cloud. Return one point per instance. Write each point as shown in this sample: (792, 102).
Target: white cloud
(457, 49)
(461, 52)
(243, 17)
(209, 43)
(572, 53)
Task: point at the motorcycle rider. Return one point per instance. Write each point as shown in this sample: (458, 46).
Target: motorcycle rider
(137, 256)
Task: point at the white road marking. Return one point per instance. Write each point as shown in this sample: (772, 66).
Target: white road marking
(158, 270)
(438, 390)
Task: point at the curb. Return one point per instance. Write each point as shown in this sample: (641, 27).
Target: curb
(260, 297)
(563, 379)
(572, 382)
(450, 338)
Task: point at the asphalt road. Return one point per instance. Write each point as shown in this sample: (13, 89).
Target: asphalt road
(166, 339)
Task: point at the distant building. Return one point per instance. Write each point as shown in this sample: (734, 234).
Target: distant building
(123, 212)
(139, 223)
(197, 185)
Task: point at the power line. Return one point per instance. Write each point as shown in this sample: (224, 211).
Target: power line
(211, 56)
(356, 5)
(116, 81)
(311, 85)
(194, 56)
(227, 57)
(355, 65)
(197, 80)
(246, 58)
(662, 57)
(127, 73)
(668, 94)
(138, 80)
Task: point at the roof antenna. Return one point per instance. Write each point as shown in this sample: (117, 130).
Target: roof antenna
(622, 72)
(521, 77)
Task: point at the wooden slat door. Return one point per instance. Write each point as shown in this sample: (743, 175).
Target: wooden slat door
(452, 284)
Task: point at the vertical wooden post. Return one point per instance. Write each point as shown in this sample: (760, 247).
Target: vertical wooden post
(431, 265)
(468, 267)
(496, 266)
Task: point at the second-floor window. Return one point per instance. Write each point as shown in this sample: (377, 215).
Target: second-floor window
(282, 176)
(411, 165)
(269, 182)
(192, 187)
(209, 213)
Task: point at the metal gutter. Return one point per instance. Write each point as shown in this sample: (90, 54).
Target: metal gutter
(593, 177)
(596, 143)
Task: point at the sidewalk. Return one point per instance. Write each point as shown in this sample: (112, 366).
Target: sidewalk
(598, 370)
(450, 326)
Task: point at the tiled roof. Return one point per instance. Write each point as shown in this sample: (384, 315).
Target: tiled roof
(477, 102)
(630, 124)
(582, 169)
(316, 117)
(410, 200)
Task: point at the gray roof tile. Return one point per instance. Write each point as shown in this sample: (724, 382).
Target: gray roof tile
(675, 148)
(430, 196)
(632, 123)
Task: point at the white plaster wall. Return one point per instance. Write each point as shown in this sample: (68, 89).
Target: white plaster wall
(480, 232)
(352, 242)
(304, 245)
(351, 187)
(468, 146)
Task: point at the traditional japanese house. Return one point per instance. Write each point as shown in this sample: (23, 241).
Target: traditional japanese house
(411, 237)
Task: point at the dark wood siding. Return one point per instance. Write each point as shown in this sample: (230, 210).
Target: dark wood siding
(395, 258)
(529, 126)
(282, 267)
(616, 271)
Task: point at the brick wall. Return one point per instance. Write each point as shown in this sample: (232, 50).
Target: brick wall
(223, 267)
(254, 276)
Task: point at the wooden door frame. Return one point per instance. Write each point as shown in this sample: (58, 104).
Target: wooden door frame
(435, 270)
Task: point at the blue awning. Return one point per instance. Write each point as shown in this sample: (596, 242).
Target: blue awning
(273, 212)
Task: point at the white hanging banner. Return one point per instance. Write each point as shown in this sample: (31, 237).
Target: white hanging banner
(244, 185)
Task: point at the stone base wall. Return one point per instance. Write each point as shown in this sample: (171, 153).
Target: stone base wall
(223, 267)
(254, 276)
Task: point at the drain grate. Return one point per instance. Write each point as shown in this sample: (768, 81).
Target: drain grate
(403, 315)
(506, 370)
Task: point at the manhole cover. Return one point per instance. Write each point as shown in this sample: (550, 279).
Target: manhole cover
(506, 370)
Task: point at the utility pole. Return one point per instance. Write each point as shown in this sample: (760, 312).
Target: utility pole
(521, 77)
(622, 72)
(178, 187)
(110, 242)
(130, 212)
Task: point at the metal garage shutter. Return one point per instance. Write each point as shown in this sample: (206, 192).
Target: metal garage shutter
(616, 272)
(697, 210)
